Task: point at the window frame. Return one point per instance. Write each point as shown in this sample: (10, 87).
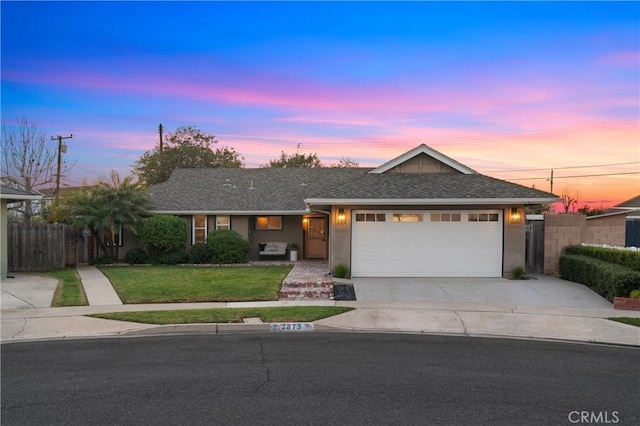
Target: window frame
(107, 242)
(194, 228)
(225, 226)
(269, 226)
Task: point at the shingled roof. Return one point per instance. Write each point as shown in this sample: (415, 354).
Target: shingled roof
(289, 190)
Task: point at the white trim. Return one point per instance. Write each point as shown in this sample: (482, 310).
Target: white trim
(424, 149)
(18, 197)
(193, 228)
(226, 225)
(427, 201)
(623, 212)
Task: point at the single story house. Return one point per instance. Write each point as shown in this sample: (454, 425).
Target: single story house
(9, 195)
(421, 214)
(617, 226)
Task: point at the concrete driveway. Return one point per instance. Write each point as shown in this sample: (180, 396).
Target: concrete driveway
(538, 290)
(23, 291)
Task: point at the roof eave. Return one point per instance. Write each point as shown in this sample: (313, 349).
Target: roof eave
(428, 201)
(233, 212)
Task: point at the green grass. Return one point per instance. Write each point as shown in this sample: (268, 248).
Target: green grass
(627, 320)
(227, 315)
(69, 291)
(172, 284)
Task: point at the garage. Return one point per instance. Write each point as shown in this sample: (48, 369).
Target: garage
(426, 243)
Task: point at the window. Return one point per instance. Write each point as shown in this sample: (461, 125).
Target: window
(371, 217)
(483, 217)
(106, 236)
(223, 222)
(269, 222)
(199, 229)
(408, 217)
(446, 217)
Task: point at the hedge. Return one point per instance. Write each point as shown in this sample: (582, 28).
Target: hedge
(627, 258)
(607, 279)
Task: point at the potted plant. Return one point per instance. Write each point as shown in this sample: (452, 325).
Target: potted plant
(293, 252)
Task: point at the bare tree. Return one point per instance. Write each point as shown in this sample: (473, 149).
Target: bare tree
(568, 201)
(29, 160)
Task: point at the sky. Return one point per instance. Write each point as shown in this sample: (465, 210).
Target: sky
(510, 89)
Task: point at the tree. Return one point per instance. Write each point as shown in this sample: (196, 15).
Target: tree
(588, 211)
(568, 201)
(345, 162)
(29, 161)
(105, 208)
(294, 160)
(187, 147)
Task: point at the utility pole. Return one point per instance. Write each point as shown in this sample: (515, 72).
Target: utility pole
(551, 180)
(61, 148)
(161, 150)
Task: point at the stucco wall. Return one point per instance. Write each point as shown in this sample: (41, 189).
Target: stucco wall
(514, 242)
(291, 232)
(606, 230)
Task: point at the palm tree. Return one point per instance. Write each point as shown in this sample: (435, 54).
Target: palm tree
(104, 208)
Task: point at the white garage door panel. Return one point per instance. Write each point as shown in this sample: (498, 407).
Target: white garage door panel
(427, 249)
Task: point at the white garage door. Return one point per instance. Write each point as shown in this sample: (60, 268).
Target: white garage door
(465, 243)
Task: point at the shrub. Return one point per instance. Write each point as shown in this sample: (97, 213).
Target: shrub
(101, 260)
(136, 256)
(341, 271)
(517, 272)
(162, 234)
(635, 294)
(173, 258)
(607, 279)
(627, 258)
(227, 246)
(200, 253)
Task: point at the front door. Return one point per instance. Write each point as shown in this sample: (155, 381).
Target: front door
(316, 240)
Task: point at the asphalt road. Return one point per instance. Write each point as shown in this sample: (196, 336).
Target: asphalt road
(317, 379)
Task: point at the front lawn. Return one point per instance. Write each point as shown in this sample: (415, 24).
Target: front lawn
(627, 320)
(228, 315)
(173, 284)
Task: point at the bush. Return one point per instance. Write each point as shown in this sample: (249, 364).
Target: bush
(341, 271)
(627, 258)
(101, 260)
(200, 253)
(136, 256)
(162, 234)
(517, 272)
(227, 246)
(634, 294)
(607, 279)
(174, 258)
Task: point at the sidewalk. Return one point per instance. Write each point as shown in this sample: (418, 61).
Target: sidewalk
(453, 318)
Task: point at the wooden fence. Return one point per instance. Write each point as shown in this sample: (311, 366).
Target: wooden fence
(42, 247)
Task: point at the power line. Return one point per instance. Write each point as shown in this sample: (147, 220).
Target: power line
(578, 176)
(563, 168)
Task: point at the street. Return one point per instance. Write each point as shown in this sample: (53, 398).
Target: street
(316, 378)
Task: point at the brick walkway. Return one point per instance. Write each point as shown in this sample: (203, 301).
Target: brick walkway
(308, 280)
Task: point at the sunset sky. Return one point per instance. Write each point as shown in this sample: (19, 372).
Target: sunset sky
(510, 89)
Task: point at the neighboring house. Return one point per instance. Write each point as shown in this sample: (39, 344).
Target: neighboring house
(421, 214)
(618, 226)
(10, 195)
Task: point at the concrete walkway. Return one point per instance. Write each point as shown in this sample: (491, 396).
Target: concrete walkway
(97, 287)
(25, 317)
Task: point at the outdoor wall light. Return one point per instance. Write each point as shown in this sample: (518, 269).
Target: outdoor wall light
(342, 217)
(515, 215)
